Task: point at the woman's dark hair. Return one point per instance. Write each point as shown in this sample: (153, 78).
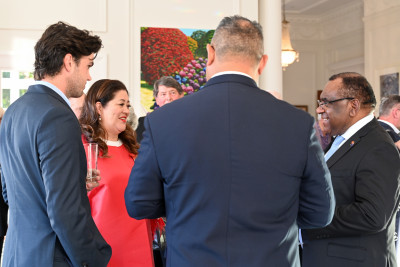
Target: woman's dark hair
(104, 91)
(58, 40)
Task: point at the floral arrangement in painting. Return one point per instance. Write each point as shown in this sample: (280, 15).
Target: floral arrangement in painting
(193, 76)
(171, 52)
(163, 51)
(192, 44)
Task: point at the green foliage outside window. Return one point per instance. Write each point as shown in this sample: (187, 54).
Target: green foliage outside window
(6, 98)
(22, 92)
(6, 74)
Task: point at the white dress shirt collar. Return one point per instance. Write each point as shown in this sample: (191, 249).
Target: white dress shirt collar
(231, 72)
(392, 126)
(356, 127)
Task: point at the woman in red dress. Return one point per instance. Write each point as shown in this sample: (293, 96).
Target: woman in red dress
(103, 121)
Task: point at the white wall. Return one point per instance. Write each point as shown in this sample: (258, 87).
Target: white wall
(300, 79)
(328, 44)
(118, 24)
(382, 39)
(22, 23)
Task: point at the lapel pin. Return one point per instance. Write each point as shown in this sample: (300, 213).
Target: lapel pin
(352, 143)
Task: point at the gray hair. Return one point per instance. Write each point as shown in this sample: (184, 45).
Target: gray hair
(387, 103)
(238, 36)
(167, 81)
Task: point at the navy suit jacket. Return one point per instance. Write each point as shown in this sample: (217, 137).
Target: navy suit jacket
(232, 177)
(365, 175)
(43, 176)
(395, 137)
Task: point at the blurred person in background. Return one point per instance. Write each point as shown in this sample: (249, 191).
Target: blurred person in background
(77, 104)
(166, 90)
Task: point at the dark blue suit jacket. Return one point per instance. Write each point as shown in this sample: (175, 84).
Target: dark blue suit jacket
(43, 175)
(395, 137)
(235, 171)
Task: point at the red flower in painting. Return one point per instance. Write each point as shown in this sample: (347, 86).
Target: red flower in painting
(163, 51)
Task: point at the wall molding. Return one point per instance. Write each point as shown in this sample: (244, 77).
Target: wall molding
(372, 7)
(88, 14)
(338, 22)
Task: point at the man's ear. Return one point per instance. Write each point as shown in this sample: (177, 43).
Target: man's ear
(68, 62)
(211, 54)
(262, 64)
(395, 112)
(355, 106)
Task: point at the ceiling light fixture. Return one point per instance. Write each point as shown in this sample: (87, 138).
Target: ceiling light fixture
(289, 55)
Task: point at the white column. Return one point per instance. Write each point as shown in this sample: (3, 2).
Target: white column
(270, 18)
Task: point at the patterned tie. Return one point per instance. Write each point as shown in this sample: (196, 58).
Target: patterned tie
(335, 145)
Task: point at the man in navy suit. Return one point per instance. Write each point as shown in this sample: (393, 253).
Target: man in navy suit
(365, 171)
(389, 119)
(43, 160)
(226, 168)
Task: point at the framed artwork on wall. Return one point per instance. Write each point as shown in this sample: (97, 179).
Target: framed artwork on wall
(386, 82)
(302, 107)
(389, 84)
(177, 52)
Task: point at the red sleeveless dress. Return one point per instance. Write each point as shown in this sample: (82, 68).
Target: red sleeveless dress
(130, 239)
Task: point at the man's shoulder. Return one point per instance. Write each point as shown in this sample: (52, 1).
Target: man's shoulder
(375, 134)
(384, 124)
(388, 129)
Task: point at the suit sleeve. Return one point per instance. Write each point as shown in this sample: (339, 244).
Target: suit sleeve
(140, 129)
(376, 196)
(61, 161)
(317, 201)
(144, 195)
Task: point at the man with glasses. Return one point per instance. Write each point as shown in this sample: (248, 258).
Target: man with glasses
(365, 170)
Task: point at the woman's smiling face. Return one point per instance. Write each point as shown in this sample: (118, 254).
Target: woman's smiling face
(115, 114)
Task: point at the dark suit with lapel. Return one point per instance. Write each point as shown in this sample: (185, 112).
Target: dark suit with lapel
(43, 177)
(365, 175)
(232, 177)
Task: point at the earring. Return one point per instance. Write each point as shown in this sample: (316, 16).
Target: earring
(99, 118)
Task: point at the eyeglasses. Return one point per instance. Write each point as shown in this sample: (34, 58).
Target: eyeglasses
(325, 103)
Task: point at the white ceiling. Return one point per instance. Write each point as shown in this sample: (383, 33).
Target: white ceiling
(314, 7)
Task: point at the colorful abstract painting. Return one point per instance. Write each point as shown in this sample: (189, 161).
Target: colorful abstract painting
(180, 53)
